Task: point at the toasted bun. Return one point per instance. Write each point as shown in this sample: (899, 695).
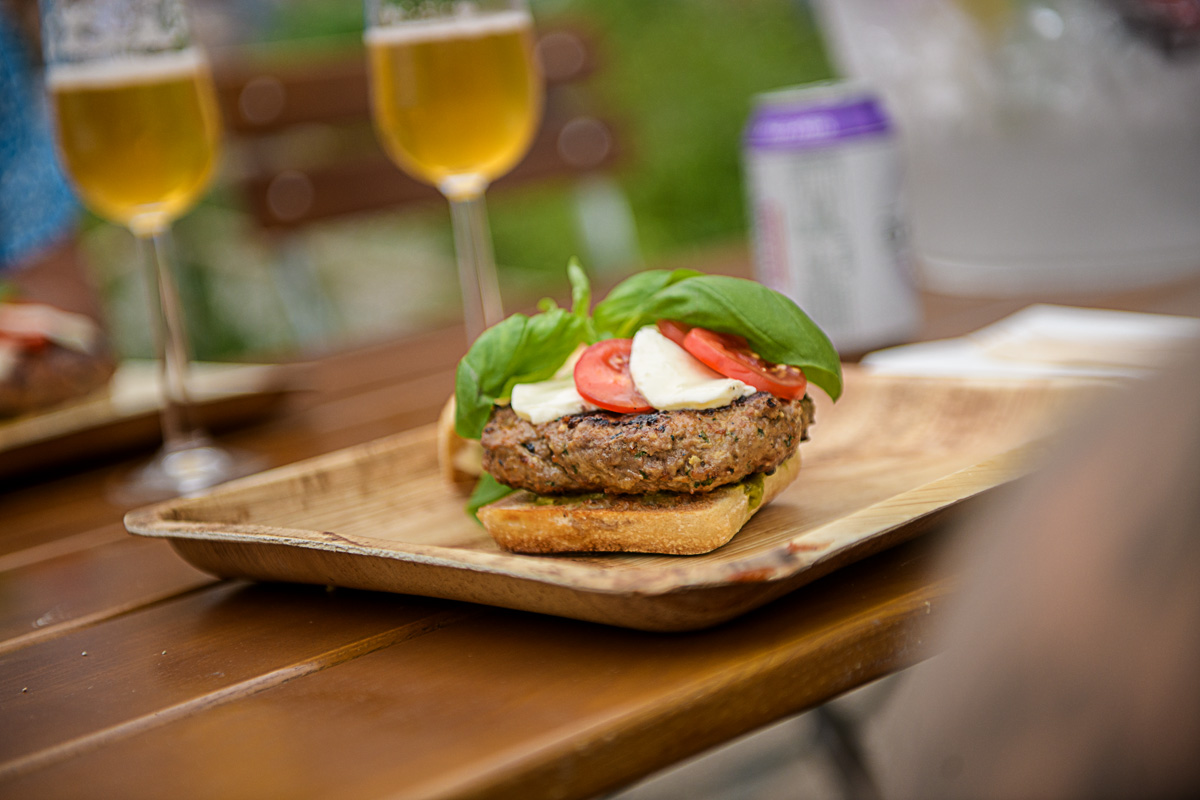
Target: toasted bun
(664, 523)
(460, 460)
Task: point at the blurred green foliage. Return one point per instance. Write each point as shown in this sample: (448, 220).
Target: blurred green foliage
(683, 74)
(678, 76)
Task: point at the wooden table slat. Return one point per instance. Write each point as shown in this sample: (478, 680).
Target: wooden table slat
(180, 651)
(60, 546)
(35, 515)
(505, 703)
(44, 599)
(393, 360)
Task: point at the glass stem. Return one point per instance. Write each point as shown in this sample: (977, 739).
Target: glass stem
(179, 427)
(482, 307)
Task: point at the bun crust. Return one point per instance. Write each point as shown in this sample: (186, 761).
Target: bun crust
(671, 524)
(460, 460)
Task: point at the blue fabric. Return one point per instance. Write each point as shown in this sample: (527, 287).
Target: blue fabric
(36, 204)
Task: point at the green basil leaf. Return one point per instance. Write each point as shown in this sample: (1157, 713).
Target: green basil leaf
(625, 309)
(487, 490)
(581, 298)
(774, 326)
(520, 349)
(581, 289)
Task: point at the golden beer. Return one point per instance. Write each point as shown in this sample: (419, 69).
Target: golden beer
(138, 135)
(456, 97)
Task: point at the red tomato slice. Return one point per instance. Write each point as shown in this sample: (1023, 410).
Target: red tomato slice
(675, 331)
(602, 378)
(26, 324)
(29, 342)
(733, 358)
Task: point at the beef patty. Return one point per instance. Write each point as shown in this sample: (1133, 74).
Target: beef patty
(661, 451)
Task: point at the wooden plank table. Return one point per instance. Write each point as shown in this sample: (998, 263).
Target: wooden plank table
(124, 672)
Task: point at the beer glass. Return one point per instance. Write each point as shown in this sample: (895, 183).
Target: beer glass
(138, 134)
(456, 98)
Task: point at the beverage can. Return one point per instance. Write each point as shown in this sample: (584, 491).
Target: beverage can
(824, 173)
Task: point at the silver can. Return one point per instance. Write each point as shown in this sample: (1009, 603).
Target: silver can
(824, 174)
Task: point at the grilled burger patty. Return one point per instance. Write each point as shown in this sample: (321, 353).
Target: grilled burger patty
(662, 451)
(52, 375)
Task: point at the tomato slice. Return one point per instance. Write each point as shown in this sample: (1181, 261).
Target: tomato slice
(675, 331)
(29, 342)
(602, 377)
(732, 357)
(25, 324)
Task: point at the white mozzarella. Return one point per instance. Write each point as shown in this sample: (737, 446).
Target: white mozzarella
(670, 378)
(546, 400)
(65, 328)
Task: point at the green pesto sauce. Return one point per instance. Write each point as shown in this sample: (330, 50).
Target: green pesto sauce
(652, 499)
(753, 487)
(565, 499)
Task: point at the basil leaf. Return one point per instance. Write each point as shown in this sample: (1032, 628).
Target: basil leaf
(581, 290)
(625, 309)
(774, 326)
(520, 349)
(581, 298)
(487, 490)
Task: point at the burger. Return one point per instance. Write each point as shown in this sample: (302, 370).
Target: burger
(660, 422)
(48, 357)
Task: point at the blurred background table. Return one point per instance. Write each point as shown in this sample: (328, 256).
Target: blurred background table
(124, 672)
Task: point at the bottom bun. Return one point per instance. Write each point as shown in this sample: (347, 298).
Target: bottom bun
(670, 524)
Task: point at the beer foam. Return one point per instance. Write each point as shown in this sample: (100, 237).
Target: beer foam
(462, 26)
(125, 70)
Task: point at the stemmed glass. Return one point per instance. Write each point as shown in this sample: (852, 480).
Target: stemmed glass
(138, 135)
(456, 98)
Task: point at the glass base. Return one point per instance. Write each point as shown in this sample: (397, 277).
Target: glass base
(185, 470)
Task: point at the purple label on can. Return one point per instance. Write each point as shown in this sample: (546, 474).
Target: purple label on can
(783, 128)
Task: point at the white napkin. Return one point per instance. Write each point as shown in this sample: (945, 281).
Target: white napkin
(1047, 341)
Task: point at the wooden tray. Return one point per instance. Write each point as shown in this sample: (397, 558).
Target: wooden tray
(379, 516)
(125, 415)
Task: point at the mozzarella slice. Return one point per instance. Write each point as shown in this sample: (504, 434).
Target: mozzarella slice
(65, 328)
(546, 400)
(672, 379)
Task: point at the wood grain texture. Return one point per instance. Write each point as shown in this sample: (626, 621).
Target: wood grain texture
(43, 599)
(85, 684)
(506, 704)
(382, 517)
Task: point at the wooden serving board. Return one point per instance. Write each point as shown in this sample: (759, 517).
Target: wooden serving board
(124, 416)
(380, 516)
